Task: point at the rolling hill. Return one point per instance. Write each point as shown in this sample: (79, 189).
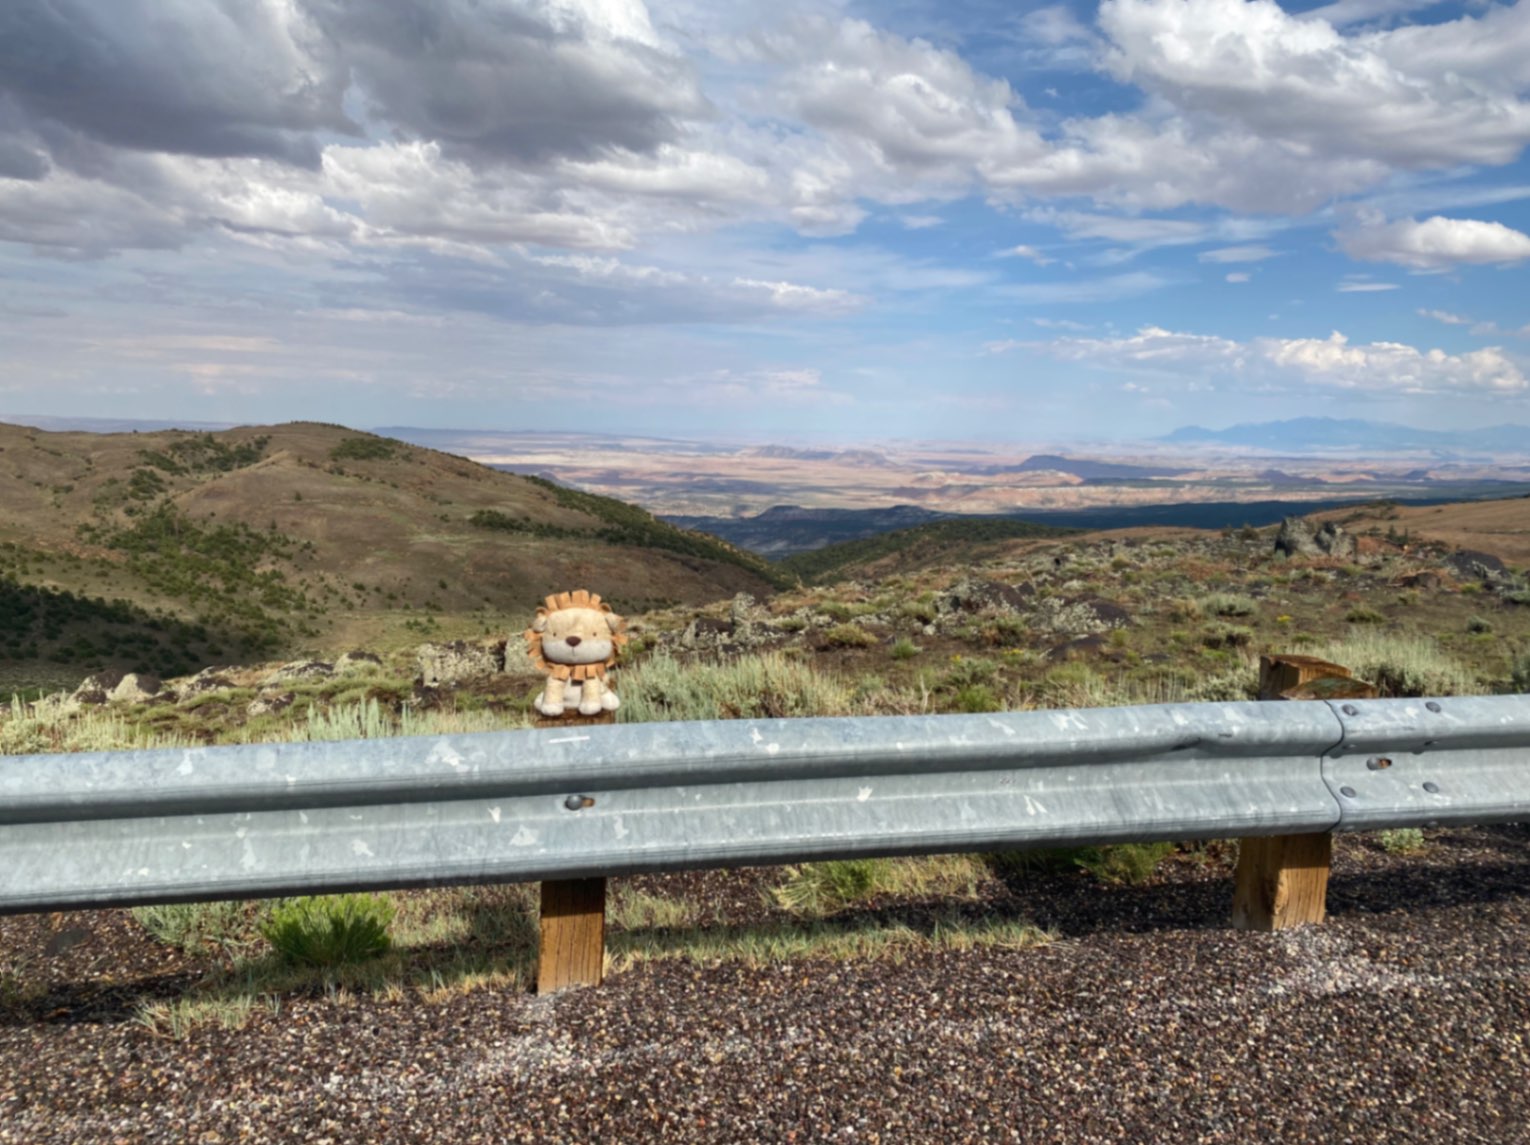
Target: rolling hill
(163, 551)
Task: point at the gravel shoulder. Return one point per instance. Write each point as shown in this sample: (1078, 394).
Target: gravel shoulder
(1405, 1018)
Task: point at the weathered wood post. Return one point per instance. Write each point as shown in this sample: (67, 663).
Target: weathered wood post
(572, 951)
(1282, 880)
(575, 640)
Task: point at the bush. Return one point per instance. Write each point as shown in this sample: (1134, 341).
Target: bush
(1400, 665)
(363, 449)
(191, 926)
(769, 686)
(1229, 604)
(1519, 673)
(1478, 626)
(848, 636)
(330, 930)
(978, 698)
(1227, 636)
(1363, 615)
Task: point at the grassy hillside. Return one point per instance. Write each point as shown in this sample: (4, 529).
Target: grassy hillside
(939, 542)
(159, 551)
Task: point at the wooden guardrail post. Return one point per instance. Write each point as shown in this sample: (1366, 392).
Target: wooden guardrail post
(1282, 880)
(572, 951)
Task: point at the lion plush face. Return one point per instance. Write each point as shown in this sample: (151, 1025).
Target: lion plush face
(575, 629)
(577, 636)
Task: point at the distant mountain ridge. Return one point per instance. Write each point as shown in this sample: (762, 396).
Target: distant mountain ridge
(1302, 433)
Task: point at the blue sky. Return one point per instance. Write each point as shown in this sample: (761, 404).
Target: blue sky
(856, 222)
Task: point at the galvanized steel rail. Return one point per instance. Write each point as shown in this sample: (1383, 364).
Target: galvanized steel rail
(128, 828)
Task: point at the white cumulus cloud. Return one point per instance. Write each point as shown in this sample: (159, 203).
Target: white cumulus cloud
(1436, 243)
(1379, 368)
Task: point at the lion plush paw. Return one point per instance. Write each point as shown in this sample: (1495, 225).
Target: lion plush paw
(610, 701)
(547, 709)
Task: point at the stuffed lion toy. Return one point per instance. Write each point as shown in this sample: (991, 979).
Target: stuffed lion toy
(575, 639)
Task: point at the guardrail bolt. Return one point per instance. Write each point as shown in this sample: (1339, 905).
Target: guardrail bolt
(1378, 763)
(578, 802)
(1432, 706)
(1347, 792)
(1351, 710)
(1432, 788)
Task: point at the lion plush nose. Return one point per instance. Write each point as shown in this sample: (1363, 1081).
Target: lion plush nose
(572, 642)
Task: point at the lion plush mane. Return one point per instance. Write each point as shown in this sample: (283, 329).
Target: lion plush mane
(582, 599)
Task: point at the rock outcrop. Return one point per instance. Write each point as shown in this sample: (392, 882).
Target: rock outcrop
(458, 661)
(299, 670)
(1297, 538)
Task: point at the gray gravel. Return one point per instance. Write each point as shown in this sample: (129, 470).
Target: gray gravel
(1402, 1019)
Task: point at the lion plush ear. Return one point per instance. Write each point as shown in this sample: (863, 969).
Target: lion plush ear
(540, 623)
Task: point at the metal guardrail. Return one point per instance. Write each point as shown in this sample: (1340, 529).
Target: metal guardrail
(126, 828)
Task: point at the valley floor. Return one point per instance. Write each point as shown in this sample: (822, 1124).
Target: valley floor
(1403, 1018)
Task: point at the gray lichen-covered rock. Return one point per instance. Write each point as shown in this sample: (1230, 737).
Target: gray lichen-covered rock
(972, 595)
(1297, 538)
(299, 670)
(269, 702)
(137, 688)
(97, 688)
(1477, 566)
(458, 661)
(207, 680)
(1067, 617)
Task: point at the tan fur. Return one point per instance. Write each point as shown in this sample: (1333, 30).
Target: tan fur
(571, 685)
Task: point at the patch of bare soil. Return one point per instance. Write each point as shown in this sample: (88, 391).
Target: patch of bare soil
(1403, 1018)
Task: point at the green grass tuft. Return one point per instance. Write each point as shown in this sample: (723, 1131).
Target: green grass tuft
(328, 931)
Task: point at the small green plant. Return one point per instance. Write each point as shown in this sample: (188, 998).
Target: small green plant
(836, 610)
(1402, 840)
(1478, 626)
(822, 888)
(904, 649)
(978, 698)
(1128, 864)
(330, 931)
(1124, 864)
(848, 636)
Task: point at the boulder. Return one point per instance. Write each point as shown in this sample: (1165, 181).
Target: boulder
(1297, 538)
(973, 595)
(1078, 617)
(1477, 566)
(207, 680)
(136, 688)
(458, 661)
(268, 702)
(299, 670)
